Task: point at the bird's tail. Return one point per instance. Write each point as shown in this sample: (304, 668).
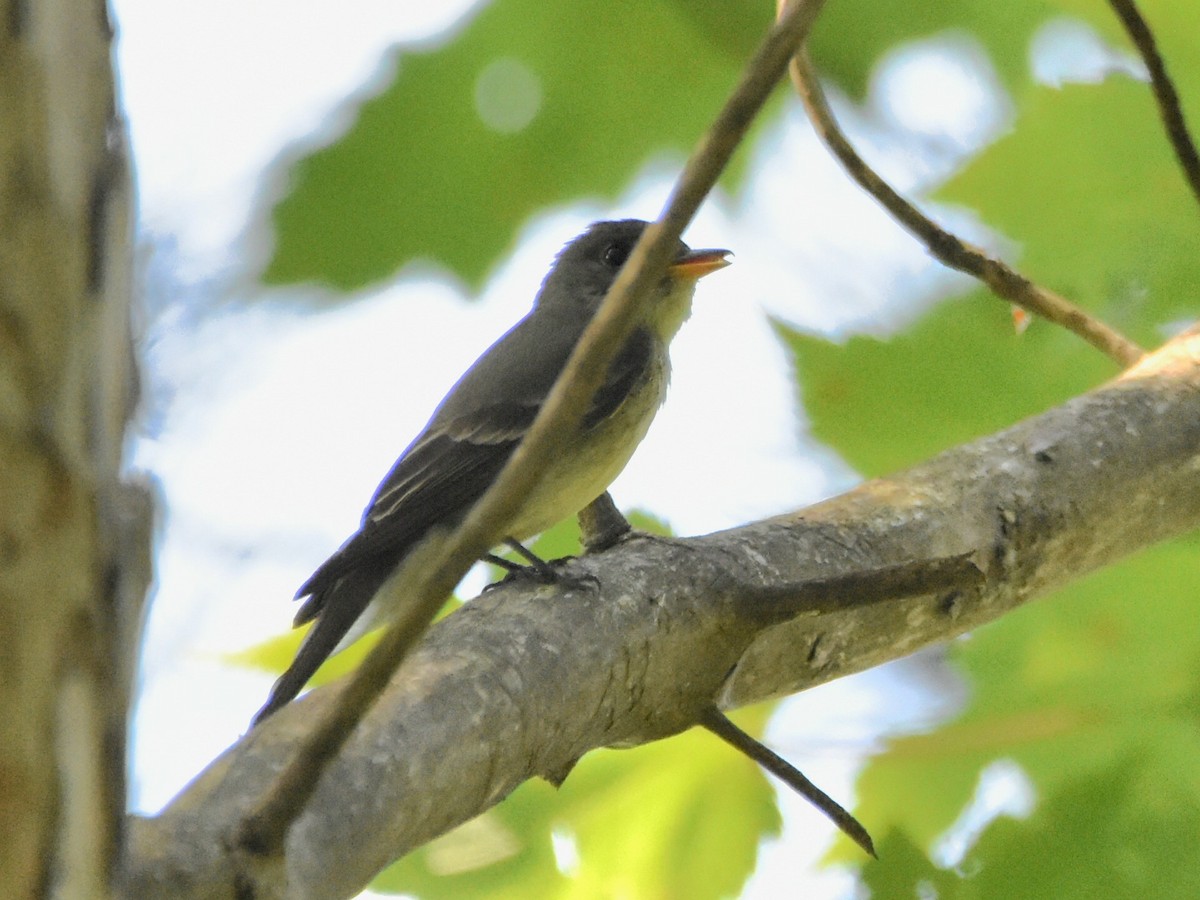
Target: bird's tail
(338, 608)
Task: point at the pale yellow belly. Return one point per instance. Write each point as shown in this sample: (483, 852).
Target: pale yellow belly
(578, 475)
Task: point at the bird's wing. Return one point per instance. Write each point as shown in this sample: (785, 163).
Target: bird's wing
(451, 465)
(434, 483)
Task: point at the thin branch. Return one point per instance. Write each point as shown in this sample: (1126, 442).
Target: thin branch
(948, 248)
(1164, 90)
(432, 571)
(716, 722)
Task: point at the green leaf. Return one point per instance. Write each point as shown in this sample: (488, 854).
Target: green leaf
(272, 655)
(504, 853)
(1174, 26)
(1089, 186)
(1105, 674)
(904, 871)
(276, 654)
(677, 818)
(420, 175)
(1125, 831)
(959, 373)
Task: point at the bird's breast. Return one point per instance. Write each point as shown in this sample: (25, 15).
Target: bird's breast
(582, 467)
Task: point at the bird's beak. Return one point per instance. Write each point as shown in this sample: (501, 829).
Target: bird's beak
(698, 263)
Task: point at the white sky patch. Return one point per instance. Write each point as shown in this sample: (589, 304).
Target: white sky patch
(1003, 790)
(213, 90)
(1066, 50)
(944, 89)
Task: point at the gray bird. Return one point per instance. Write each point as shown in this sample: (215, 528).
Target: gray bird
(480, 422)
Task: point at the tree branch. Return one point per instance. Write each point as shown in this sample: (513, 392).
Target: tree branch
(948, 248)
(1164, 90)
(526, 679)
(720, 725)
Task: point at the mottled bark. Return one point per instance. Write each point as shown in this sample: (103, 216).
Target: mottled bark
(73, 539)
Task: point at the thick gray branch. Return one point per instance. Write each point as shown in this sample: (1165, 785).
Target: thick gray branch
(525, 680)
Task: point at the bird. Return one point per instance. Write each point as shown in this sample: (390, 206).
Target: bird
(474, 430)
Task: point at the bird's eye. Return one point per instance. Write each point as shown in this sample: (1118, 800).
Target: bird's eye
(615, 255)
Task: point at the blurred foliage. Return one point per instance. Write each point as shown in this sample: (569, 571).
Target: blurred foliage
(957, 374)
(420, 176)
(852, 35)
(1093, 693)
(1120, 831)
(1110, 224)
(677, 818)
(276, 654)
(1084, 691)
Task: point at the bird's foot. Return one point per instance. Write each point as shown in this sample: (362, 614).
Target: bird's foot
(536, 569)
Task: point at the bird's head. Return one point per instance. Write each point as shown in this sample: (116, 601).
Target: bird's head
(587, 267)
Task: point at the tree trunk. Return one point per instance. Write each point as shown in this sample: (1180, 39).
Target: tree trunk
(74, 541)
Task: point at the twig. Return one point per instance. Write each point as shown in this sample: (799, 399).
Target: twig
(948, 576)
(716, 722)
(432, 571)
(1164, 90)
(947, 248)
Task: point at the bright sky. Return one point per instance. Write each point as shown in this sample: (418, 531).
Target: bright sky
(256, 495)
